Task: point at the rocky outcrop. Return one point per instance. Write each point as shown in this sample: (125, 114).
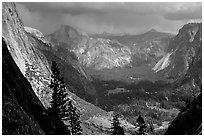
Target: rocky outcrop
(25, 52)
(185, 48)
(19, 44)
(22, 111)
(189, 120)
(38, 34)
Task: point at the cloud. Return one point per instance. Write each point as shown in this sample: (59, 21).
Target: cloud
(45, 23)
(61, 7)
(143, 8)
(194, 12)
(113, 17)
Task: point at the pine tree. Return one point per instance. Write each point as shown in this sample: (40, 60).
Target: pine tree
(116, 128)
(142, 125)
(73, 118)
(59, 99)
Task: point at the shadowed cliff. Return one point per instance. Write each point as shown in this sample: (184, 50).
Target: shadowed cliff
(22, 111)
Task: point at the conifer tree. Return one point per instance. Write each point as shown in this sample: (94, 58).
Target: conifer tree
(74, 121)
(142, 125)
(61, 106)
(59, 99)
(116, 128)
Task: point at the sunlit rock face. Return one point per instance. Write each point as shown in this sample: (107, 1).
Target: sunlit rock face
(25, 52)
(110, 51)
(163, 63)
(99, 54)
(38, 34)
(146, 48)
(187, 48)
(184, 50)
(22, 111)
(96, 53)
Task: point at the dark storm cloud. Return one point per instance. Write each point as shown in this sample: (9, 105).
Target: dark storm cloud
(194, 13)
(113, 17)
(61, 7)
(169, 10)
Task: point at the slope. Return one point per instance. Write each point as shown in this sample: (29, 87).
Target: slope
(22, 111)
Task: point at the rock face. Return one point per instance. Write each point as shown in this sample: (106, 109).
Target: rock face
(183, 50)
(33, 53)
(183, 67)
(189, 120)
(102, 54)
(75, 78)
(108, 51)
(145, 48)
(37, 34)
(25, 52)
(187, 47)
(163, 63)
(22, 111)
(96, 53)
(19, 44)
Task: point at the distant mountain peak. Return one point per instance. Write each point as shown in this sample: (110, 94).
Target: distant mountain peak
(65, 27)
(65, 33)
(153, 30)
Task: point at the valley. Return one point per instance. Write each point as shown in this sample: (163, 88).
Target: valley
(154, 74)
(140, 85)
(126, 74)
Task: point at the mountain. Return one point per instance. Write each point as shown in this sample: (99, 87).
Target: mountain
(96, 53)
(26, 60)
(23, 48)
(182, 50)
(154, 74)
(65, 37)
(184, 70)
(187, 47)
(22, 111)
(183, 62)
(112, 53)
(132, 39)
(105, 35)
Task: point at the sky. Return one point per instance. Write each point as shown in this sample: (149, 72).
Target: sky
(110, 17)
